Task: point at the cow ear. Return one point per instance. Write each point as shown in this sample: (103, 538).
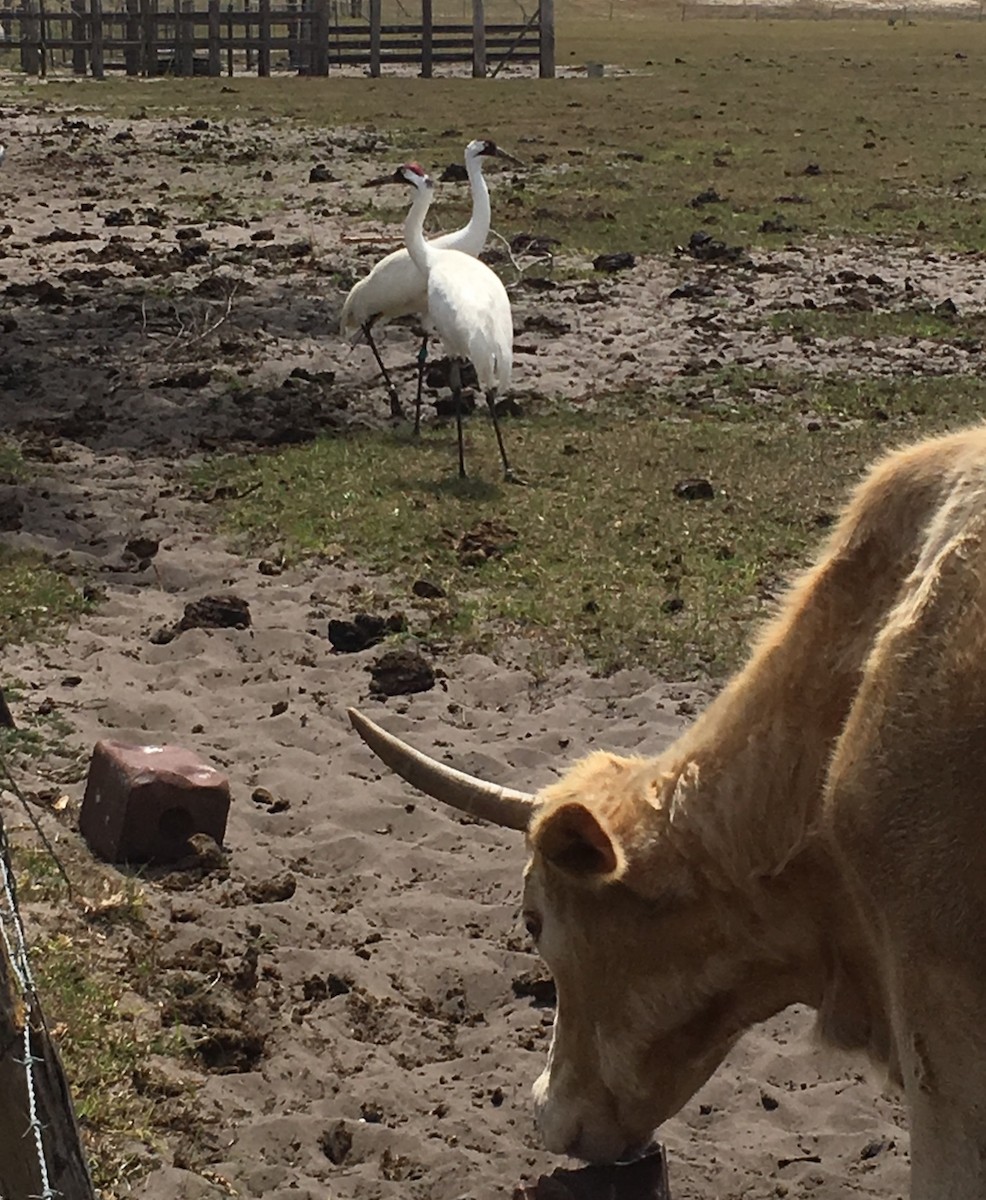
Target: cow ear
(574, 840)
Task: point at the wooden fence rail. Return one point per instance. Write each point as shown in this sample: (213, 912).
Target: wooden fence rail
(143, 37)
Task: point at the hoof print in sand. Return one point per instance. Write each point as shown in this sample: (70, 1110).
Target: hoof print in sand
(211, 612)
(364, 630)
(400, 672)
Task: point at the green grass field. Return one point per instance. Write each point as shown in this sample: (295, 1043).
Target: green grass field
(889, 118)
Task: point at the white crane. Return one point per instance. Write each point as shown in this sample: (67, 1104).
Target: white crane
(467, 306)
(396, 288)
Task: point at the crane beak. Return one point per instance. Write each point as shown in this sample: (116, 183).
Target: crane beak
(397, 177)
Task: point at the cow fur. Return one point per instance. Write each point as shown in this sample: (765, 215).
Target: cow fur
(817, 836)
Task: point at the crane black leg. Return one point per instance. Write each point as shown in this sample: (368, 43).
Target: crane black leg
(508, 474)
(422, 359)
(455, 380)
(395, 404)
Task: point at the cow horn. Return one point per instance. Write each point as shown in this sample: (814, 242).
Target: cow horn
(476, 797)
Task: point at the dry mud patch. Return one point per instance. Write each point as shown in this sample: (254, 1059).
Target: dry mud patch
(364, 1013)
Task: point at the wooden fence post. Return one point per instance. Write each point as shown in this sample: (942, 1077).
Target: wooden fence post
(427, 39)
(30, 39)
(375, 23)
(478, 39)
(148, 35)
(294, 30)
(79, 38)
(263, 54)
(248, 35)
(184, 33)
(96, 39)
(215, 34)
(319, 54)
(133, 53)
(42, 39)
(229, 39)
(546, 40)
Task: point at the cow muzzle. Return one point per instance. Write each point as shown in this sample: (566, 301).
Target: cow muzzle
(571, 1127)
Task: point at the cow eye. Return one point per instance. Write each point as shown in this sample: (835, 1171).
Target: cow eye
(532, 923)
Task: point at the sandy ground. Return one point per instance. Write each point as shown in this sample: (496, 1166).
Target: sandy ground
(369, 1015)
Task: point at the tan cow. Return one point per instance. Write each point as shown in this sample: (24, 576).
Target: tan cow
(818, 836)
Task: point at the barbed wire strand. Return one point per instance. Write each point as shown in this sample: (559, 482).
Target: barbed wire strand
(17, 956)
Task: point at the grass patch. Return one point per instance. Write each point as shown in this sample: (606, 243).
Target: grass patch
(875, 129)
(599, 554)
(104, 1034)
(924, 324)
(34, 599)
(11, 463)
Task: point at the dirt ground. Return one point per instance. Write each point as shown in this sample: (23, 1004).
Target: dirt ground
(375, 1018)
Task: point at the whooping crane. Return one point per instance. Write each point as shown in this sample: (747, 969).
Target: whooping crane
(396, 288)
(467, 306)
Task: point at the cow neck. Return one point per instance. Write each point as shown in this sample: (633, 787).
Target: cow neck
(759, 754)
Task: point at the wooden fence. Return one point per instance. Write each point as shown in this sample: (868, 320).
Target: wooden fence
(145, 37)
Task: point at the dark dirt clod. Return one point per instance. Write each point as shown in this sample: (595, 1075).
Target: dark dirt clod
(426, 590)
(694, 489)
(230, 1051)
(211, 612)
(142, 547)
(320, 173)
(454, 173)
(401, 672)
(706, 248)
(42, 291)
(271, 891)
(205, 857)
(622, 261)
(709, 196)
(489, 539)
(364, 630)
(216, 612)
(535, 245)
(777, 224)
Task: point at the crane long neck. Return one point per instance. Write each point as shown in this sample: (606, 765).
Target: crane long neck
(414, 237)
(479, 220)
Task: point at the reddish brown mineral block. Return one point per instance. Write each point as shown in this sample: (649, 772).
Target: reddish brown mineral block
(142, 803)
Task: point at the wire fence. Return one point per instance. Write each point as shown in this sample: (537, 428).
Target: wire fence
(41, 1156)
(182, 37)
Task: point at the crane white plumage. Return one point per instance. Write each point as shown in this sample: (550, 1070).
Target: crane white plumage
(396, 288)
(468, 307)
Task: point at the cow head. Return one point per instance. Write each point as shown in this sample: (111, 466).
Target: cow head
(653, 964)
